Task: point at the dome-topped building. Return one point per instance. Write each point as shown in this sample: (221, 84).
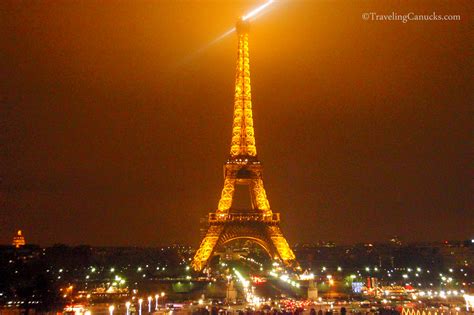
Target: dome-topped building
(18, 239)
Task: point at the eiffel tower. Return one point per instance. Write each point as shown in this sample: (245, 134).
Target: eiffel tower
(259, 224)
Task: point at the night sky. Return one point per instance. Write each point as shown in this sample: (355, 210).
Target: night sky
(114, 130)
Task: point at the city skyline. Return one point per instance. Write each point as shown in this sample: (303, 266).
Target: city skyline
(117, 121)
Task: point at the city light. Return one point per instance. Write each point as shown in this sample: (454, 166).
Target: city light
(469, 302)
(149, 304)
(127, 306)
(140, 302)
(307, 276)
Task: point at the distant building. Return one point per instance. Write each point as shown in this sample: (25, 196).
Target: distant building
(18, 240)
(396, 241)
(456, 253)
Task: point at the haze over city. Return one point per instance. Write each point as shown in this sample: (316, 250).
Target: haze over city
(116, 122)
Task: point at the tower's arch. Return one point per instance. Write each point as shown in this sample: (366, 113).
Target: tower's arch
(255, 234)
(257, 241)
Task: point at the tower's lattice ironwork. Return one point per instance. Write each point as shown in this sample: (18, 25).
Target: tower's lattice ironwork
(260, 223)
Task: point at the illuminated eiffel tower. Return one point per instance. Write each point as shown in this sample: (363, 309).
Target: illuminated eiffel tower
(259, 224)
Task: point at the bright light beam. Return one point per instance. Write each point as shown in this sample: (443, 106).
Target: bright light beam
(250, 15)
(256, 11)
(219, 38)
(206, 47)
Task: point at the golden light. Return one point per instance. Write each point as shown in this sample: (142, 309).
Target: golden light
(248, 16)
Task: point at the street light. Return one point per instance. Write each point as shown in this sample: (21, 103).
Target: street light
(149, 304)
(127, 305)
(162, 295)
(140, 301)
(156, 301)
(111, 309)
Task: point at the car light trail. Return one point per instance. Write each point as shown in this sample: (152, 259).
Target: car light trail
(285, 278)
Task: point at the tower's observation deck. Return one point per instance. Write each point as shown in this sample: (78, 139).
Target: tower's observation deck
(244, 217)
